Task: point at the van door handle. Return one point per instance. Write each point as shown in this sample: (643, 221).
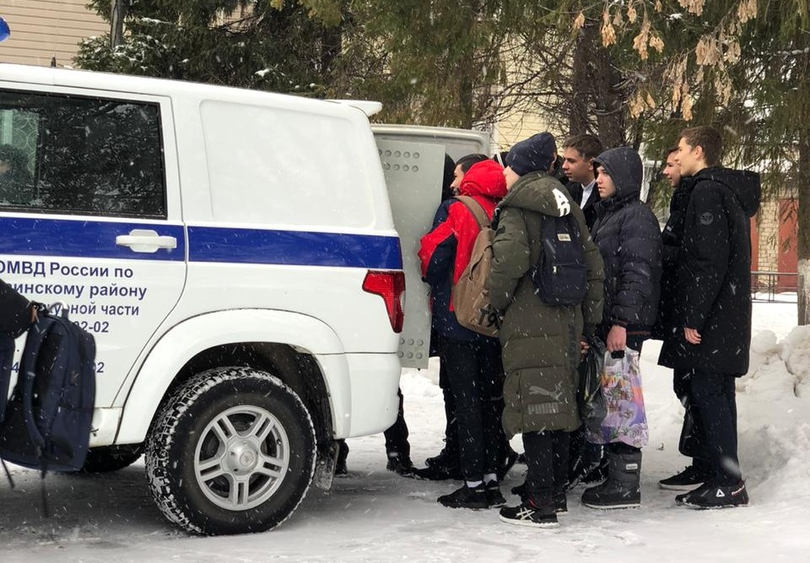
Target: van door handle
(145, 240)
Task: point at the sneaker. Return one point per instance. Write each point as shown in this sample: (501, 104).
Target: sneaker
(560, 502)
(586, 473)
(559, 497)
(441, 467)
(466, 497)
(445, 458)
(437, 474)
(589, 466)
(597, 476)
(400, 465)
(527, 514)
(687, 480)
(710, 495)
(494, 496)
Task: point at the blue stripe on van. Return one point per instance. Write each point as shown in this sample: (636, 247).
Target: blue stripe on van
(82, 239)
(295, 248)
(96, 239)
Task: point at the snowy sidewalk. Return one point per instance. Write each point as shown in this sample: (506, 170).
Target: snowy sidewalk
(373, 515)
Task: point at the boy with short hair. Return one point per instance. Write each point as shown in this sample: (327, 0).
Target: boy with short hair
(710, 331)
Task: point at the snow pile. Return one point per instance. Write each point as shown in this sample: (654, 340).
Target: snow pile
(774, 417)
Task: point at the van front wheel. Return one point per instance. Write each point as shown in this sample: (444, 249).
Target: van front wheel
(233, 452)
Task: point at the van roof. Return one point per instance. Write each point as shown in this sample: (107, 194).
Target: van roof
(104, 81)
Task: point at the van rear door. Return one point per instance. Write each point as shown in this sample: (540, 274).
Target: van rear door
(413, 174)
(413, 162)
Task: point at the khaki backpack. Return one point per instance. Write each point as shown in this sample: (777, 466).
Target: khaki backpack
(470, 295)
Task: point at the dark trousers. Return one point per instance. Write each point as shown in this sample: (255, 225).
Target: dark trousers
(475, 375)
(396, 437)
(709, 433)
(690, 443)
(451, 424)
(547, 461)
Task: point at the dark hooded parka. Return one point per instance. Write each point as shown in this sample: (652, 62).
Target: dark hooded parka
(540, 342)
(713, 284)
(629, 239)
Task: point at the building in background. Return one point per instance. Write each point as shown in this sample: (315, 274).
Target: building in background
(44, 30)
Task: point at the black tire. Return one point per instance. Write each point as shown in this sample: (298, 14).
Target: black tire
(110, 458)
(233, 452)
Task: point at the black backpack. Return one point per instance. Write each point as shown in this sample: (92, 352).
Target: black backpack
(48, 419)
(560, 276)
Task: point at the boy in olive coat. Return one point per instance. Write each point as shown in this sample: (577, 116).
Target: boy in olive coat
(541, 343)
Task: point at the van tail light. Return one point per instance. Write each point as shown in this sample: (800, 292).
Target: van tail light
(390, 285)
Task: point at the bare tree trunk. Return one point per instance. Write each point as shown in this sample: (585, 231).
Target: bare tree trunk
(803, 221)
(331, 47)
(581, 86)
(597, 104)
(609, 104)
(468, 69)
(119, 12)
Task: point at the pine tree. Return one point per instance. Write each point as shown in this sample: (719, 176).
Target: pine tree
(263, 45)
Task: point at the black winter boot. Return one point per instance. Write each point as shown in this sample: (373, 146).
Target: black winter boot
(621, 490)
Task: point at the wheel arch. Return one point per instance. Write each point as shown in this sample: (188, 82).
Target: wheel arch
(283, 344)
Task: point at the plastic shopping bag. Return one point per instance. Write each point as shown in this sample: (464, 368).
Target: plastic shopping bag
(625, 420)
(590, 399)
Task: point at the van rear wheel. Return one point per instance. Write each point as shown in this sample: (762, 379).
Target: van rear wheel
(234, 452)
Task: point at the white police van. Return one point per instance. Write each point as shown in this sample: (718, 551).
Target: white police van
(235, 255)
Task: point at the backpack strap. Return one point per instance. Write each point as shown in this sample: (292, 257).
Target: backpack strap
(476, 209)
(28, 367)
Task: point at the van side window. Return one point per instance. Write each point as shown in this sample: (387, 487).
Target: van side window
(80, 155)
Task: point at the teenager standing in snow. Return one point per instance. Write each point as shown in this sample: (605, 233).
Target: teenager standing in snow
(541, 342)
(712, 309)
(474, 369)
(626, 233)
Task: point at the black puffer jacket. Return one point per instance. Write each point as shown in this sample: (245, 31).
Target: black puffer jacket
(713, 287)
(629, 240)
(671, 237)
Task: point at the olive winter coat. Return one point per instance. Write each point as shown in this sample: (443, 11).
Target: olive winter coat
(540, 342)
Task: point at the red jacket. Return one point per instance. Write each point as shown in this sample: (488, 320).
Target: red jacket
(445, 251)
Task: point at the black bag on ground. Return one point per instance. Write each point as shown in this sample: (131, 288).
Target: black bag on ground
(590, 397)
(48, 418)
(560, 276)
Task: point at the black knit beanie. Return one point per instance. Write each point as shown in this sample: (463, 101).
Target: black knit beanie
(533, 154)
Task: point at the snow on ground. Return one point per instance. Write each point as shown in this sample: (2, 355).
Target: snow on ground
(373, 515)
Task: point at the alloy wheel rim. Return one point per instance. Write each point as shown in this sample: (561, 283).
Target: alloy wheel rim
(241, 457)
